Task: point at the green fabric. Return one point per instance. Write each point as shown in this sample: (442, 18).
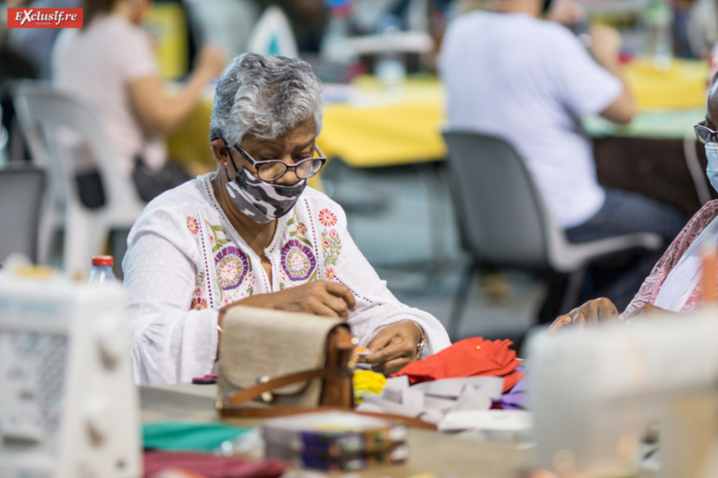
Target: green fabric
(655, 124)
(187, 436)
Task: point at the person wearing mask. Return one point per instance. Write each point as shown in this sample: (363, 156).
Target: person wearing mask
(111, 64)
(253, 234)
(674, 285)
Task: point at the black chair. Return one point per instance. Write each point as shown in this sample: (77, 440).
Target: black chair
(21, 195)
(503, 221)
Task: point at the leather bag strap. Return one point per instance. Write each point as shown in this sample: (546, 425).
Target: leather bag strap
(255, 391)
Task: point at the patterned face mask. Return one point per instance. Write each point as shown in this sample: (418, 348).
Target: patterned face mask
(263, 202)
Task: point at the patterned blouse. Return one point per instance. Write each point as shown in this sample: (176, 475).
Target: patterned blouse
(185, 261)
(652, 285)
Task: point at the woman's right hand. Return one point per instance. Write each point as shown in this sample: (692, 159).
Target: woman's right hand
(329, 299)
(211, 60)
(593, 311)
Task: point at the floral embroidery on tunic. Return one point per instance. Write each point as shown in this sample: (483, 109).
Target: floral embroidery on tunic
(192, 225)
(329, 274)
(232, 266)
(249, 284)
(298, 260)
(327, 218)
(216, 241)
(332, 245)
(198, 304)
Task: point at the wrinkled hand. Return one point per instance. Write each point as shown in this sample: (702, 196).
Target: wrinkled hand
(394, 347)
(593, 311)
(211, 60)
(320, 297)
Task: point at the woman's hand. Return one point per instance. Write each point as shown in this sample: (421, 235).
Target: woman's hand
(394, 346)
(329, 299)
(598, 310)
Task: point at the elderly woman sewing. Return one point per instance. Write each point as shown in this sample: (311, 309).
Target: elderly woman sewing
(674, 284)
(254, 234)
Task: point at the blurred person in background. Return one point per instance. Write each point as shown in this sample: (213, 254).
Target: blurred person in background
(676, 283)
(111, 64)
(702, 28)
(511, 73)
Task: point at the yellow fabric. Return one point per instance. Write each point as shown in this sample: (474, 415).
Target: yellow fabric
(683, 86)
(385, 129)
(366, 381)
(167, 23)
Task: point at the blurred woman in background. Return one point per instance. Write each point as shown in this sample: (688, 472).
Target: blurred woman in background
(111, 64)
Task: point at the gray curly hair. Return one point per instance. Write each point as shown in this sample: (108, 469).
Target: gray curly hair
(265, 96)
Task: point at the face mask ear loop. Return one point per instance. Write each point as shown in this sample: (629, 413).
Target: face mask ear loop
(231, 159)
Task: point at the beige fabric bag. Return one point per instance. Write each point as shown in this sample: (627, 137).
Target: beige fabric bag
(260, 345)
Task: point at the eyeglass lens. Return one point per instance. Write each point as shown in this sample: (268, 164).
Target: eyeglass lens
(704, 134)
(304, 169)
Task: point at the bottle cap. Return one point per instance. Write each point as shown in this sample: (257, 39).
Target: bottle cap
(103, 261)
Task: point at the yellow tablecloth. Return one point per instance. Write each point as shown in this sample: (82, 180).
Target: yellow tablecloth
(683, 86)
(376, 128)
(384, 128)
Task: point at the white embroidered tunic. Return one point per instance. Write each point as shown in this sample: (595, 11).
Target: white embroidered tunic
(185, 261)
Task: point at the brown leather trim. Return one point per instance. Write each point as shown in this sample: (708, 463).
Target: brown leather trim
(270, 412)
(255, 391)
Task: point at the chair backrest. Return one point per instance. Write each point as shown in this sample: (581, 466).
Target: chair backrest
(227, 23)
(21, 192)
(501, 215)
(65, 134)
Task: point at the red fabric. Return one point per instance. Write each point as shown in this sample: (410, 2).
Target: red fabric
(211, 466)
(474, 357)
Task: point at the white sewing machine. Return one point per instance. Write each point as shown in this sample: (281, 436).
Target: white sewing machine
(595, 391)
(68, 406)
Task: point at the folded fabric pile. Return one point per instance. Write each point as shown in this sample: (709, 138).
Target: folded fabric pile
(474, 357)
(470, 375)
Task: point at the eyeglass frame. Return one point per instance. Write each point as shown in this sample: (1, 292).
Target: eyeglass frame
(713, 135)
(257, 164)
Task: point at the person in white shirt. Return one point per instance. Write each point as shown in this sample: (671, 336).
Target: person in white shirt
(111, 64)
(254, 234)
(510, 73)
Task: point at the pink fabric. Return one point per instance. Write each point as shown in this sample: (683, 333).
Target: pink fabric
(652, 285)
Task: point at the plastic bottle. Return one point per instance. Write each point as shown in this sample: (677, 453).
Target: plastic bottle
(102, 270)
(659, 17)
(334, 42)
(390, 68)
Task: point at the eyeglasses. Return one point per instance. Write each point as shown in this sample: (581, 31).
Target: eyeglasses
(705, 134)
(272, 169)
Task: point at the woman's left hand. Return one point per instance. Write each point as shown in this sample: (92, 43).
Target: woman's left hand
(394, 347)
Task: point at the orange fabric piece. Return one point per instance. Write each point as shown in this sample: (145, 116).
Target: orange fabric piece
(474, 357)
